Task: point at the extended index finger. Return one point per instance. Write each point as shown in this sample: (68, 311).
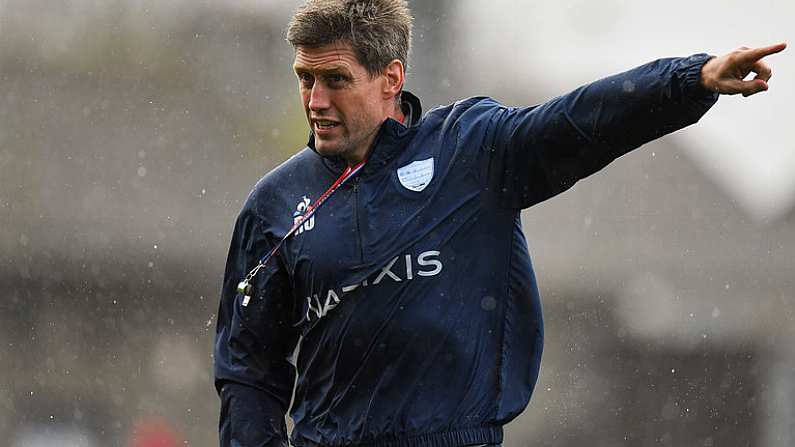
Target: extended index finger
(758, 53)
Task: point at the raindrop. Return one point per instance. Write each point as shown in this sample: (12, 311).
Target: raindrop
(488, 303)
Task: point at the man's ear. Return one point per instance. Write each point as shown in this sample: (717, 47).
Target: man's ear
(395, 76)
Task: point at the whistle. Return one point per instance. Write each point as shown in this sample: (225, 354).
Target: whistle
(244, 288)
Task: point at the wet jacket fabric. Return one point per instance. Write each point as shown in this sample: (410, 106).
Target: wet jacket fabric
(411, 291)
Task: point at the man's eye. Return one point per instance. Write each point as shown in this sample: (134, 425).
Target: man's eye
(305, 78)
(335, 79)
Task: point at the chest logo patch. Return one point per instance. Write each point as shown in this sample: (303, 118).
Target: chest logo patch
(300, 209)
(416, 175)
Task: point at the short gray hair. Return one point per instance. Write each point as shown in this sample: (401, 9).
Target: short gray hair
(379, 31)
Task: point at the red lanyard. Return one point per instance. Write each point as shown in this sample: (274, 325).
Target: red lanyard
(244, 287)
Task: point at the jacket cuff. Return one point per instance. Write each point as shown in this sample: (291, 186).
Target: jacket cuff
(250, 418)
(689, 71)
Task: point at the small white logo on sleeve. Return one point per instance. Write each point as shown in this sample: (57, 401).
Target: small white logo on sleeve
(416, 175)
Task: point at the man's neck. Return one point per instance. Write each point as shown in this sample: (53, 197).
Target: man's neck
(400, 117)
(397, 115)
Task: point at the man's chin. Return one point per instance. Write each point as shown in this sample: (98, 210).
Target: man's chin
(327, 150)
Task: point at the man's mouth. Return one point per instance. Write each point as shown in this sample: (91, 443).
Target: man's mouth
(325, 124)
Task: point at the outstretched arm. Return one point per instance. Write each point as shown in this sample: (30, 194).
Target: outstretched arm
(537, 152)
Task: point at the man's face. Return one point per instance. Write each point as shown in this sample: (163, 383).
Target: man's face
(343, 105)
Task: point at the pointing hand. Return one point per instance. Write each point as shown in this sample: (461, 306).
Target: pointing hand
(725, 74)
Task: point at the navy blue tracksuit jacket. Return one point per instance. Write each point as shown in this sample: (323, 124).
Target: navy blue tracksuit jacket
(410, 291)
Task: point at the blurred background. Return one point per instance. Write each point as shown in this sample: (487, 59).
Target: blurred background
(132, 130)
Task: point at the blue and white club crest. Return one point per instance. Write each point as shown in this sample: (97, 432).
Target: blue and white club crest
(416, 175)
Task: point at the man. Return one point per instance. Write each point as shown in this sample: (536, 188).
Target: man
(403, 269)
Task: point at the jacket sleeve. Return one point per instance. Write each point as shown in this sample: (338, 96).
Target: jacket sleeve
(537, 152)
(253, 374)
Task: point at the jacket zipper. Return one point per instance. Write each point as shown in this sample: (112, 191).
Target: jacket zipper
(356, 218)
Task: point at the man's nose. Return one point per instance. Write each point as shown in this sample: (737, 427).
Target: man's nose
(318, 97)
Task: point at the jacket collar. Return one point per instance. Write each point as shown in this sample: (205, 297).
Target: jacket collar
(387, 143)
